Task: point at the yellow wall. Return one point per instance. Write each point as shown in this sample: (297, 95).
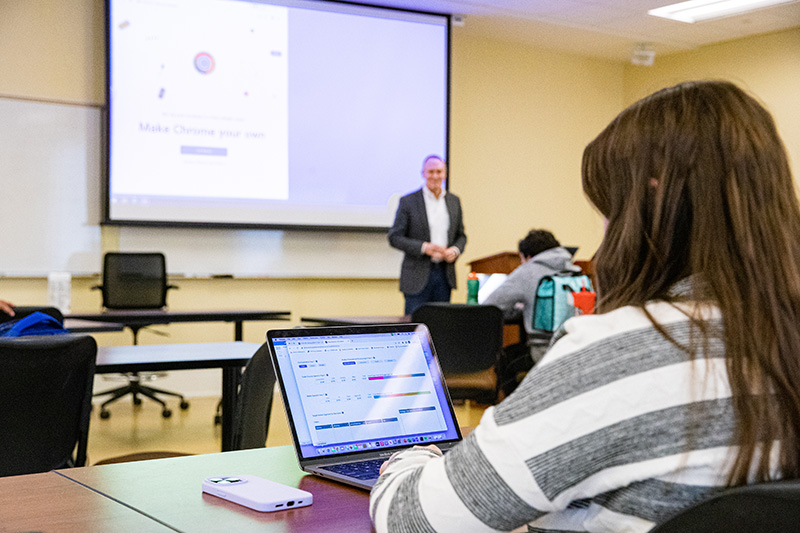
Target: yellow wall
(53, 50)
(767, 66)
(520, 118)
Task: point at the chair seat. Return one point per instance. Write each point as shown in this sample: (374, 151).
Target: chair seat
(485, 379)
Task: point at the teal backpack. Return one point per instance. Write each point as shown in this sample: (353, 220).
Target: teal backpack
(554, 302)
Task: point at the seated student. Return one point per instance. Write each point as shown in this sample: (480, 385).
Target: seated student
(686, 382)
(542, 255)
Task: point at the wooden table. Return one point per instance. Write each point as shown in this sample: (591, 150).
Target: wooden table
(50, 502)
(138, 318)
(229, 356)
(170, 490)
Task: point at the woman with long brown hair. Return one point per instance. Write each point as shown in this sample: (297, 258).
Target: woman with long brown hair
(686, 381)
(716, 200)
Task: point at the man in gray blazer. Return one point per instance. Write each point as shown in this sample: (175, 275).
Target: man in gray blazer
(429, 229)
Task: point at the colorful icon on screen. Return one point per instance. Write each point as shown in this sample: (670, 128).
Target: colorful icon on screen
(204, 63)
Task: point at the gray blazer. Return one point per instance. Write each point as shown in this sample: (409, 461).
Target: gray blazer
(410, 230)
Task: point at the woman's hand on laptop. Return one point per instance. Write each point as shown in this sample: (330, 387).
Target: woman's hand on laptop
(431, 447)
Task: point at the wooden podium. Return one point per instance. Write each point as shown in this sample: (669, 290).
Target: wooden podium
(506, 262)
(502, 263)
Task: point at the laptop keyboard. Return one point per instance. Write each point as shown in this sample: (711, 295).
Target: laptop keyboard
(359, 470)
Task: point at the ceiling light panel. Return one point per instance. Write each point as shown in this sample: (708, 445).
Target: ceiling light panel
(699, 10)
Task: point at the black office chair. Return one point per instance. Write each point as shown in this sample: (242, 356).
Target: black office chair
(23, 311)
(765, 508)
(254, 404)
(46, 394)
(133, 280)
(468, 340)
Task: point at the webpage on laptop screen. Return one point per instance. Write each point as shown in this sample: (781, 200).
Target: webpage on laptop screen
(354, 392)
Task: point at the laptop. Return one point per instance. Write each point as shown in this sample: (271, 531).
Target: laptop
(354, 395)
(488, 283)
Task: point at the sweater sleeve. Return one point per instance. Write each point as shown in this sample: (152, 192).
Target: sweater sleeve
(615, 429)
(468, 489)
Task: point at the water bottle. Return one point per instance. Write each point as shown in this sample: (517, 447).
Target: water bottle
(472, 288)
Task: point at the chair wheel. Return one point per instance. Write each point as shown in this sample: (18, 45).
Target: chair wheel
(217, 420)
(104, 414)
(137, 400)
(184, 405)
(166, 413)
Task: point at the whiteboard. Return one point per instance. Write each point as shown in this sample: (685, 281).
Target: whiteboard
(50, 162)
(200, 252)
(50, 214)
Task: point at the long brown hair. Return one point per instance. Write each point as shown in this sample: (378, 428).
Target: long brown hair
(694, 180)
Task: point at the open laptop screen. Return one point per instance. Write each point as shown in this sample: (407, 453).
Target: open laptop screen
(351, 389)
(487, 283)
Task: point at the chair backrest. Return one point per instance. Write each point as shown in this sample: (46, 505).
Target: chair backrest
(251, 418)
(765, 508)
(46, 393)
(468, 340)
(134, 280)
(23, 311)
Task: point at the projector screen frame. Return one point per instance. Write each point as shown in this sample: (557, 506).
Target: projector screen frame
(107, 133)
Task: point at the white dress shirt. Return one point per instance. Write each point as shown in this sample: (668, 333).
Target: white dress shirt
(438, 217)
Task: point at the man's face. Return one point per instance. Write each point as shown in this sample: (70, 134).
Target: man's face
(434, 173)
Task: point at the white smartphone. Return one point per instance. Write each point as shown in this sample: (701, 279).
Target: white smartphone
(256, 493)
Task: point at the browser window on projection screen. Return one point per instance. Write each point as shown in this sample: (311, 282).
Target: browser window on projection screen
(299, 113)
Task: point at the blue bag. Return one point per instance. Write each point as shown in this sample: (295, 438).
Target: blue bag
(554, 303)
(34, 324)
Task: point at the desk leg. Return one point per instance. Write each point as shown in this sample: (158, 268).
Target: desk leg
(231, 376)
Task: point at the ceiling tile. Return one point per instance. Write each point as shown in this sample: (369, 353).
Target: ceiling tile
(602, 28)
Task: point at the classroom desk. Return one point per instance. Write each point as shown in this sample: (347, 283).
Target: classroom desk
(169, 490)
(513, 331)
(229, 356)
(78, 325)
(355, 320)
(136, 318)
(50, 502)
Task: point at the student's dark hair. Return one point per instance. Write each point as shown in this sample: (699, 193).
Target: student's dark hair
(536, 242)
(694, 179)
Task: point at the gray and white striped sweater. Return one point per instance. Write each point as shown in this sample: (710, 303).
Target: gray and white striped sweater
(615, 430)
